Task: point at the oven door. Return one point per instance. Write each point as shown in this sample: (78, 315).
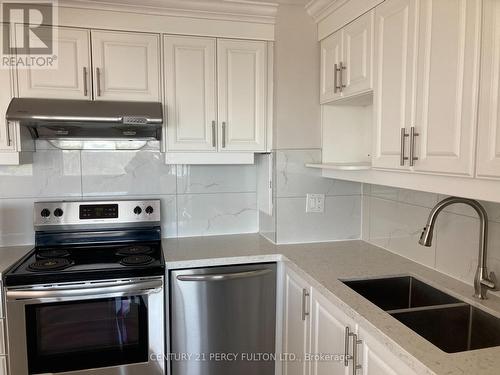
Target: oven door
(113, 327)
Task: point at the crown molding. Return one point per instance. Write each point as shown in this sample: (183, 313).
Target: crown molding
(229, 10)
(320, 9)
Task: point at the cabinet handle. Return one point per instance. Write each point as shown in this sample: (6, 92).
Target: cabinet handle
(413, 134)
(342, 68)
(402, 157)
(223, 134)
(355, 343)
(85, 85)
(346, 346)
(7, 134)
(335, 83)
(305, 313)
(98, 80)
(214, 134)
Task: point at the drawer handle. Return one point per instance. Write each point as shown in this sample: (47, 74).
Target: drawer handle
(355, 343)
(402, 157)
(305, 295)
(214, 134)
(413, 135)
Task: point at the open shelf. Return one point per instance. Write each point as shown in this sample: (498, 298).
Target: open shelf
(359, 166)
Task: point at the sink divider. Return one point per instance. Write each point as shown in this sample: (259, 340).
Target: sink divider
(425, 308)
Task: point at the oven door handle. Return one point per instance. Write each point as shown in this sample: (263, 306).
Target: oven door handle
(39, 293)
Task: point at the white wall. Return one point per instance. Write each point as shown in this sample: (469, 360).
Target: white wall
(393, 219)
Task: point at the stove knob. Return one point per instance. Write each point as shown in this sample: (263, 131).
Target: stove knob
(45, 212)
(149, 210)
(137, 210)
(58, 212)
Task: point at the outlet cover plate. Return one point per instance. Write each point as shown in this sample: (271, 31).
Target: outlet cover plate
(315, 203)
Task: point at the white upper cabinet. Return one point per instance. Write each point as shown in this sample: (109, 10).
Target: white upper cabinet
(447, 85)
(296, 323)
(331, 56)
(190, 86)
(242, 95)
(126, 66)
(346, 61)
(358, 55)
(7, 142)
(71, 79)
(393, 93)
(488, 150)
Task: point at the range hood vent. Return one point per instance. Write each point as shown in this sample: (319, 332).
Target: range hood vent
(54, 119)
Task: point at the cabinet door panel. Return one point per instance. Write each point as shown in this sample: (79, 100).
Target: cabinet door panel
(68, 80)
(190, 93)
(331, 54)
(126, 66)
(328, 335)
(5, 97)
(394, 25)
(488, 150)
(358, 55)
(242, 95)
(296, 329)
(447, 85)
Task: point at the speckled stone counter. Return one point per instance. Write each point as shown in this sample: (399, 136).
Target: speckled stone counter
(323, 264)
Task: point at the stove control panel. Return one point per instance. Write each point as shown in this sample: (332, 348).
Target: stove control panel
(98, 213)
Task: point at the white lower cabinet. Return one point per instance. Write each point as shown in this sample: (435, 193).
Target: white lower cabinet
(3, 365)
(377, 360)
(330, 330)
(321, 336)
(296, 323)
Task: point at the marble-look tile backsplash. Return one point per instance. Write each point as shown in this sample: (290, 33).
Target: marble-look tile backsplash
(196, 200)
(393, 219)
(341, 219)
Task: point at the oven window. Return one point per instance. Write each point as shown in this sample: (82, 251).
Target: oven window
(68, 336)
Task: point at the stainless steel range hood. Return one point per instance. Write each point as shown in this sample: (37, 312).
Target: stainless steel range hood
(55, 119)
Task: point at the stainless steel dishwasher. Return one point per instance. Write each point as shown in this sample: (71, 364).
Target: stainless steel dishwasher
(223, 320)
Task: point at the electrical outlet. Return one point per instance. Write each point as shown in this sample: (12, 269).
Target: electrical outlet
(315, 203)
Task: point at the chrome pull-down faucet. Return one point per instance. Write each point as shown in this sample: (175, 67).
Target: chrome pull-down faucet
(482, 282)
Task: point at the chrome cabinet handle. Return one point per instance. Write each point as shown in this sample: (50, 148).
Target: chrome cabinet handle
(85, 85)
(7, 133)
(305, 313)
(346, 346)
(402, 157)
(98, 80)
(224, 276)
(223, 134)
(214, 134)
(355, 343)
(335, 83)
(342, 68)
(413, 134)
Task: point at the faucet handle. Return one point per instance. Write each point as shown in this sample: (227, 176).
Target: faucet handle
(491, 282)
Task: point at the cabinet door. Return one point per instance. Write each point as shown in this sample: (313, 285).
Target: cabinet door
(447, 85)
(488, 149)
(331, 56)
(358, 52)
(377, 360)
(71, 79)
(296, 324)
(394, 33)
(242, 95)
(328, 328)
(7, 139)
(190, 93)
(126, 66)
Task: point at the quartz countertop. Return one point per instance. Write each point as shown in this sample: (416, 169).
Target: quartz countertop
(323, 264)
(10, 255)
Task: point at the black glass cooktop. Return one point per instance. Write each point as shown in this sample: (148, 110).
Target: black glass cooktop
(49, 264)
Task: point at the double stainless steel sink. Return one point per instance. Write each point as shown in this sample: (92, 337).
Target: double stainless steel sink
(450, 324)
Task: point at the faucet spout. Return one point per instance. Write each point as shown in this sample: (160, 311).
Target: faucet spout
(482, 282)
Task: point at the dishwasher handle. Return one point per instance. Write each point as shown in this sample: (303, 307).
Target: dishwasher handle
(224, 276)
